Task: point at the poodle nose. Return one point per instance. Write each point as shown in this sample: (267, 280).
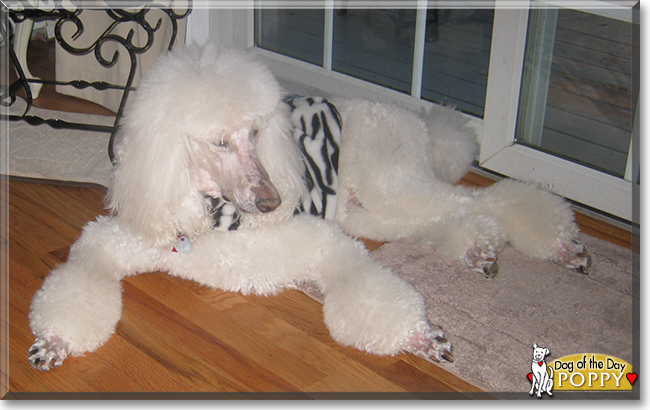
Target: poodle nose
(267, 198)
(265, 205)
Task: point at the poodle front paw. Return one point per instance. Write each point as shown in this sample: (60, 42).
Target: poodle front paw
(430, 344)
(482, 260)
(573, 255)
(48, 353)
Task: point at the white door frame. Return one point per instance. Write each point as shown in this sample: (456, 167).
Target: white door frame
(501, 153)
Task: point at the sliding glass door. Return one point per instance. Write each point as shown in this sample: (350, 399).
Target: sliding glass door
(562, 99)
(551, 90)
(577, 92)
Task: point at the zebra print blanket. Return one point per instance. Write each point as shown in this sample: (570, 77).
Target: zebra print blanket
(317, 131)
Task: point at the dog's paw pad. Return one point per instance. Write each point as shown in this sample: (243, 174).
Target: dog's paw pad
(48, 353)
(430, 344)
(483, 261)
(573, 255)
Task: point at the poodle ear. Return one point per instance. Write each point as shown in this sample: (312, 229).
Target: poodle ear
(151, 188)
(534, 345)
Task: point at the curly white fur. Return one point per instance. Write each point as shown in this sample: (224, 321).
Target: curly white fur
(207, 121)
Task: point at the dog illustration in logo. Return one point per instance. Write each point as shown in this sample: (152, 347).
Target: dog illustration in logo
(540, 376)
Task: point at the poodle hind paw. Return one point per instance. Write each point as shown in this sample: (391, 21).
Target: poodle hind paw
(430, 344)
(483, 261)
(573, 255)
(48, 353)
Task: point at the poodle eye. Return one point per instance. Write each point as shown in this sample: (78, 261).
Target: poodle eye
(221, 144)
(254, 133)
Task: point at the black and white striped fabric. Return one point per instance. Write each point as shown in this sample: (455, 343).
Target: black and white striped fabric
(225, 215)
(317, 131)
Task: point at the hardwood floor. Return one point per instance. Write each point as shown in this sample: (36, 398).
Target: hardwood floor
(176, 336)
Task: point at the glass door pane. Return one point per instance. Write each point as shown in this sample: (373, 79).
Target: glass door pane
(295, 33)
(457, 56)
(577, 96)
(376, 45)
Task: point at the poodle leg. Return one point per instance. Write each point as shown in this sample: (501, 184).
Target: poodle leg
(75, 311)
(573, 255)
(430, 344)
(474, 239)
(538, 223)
(482, 260)
(449, 218)
(376, 311)
(78, 307)
(472, 224)
(395, 180)
(369, 307)
(48, 353)
(365, 305)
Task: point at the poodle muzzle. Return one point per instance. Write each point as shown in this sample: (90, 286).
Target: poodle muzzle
(232, 171)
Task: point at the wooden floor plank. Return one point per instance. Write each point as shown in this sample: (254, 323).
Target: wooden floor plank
(606, 232)
(42, 236)
(72, 205)
(184, 348)
(274, 342)
(227, 330)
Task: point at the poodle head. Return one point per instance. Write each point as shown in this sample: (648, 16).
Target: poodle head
(194, 128)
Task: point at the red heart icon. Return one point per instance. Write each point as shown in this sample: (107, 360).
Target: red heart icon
(631, 377)
(530, 377)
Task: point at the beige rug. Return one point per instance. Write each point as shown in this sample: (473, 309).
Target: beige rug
(492, 323)
(44, 152)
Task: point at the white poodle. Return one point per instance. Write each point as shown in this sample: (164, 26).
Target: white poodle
(212, 164)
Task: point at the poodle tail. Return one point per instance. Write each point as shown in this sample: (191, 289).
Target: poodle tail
(455, 143)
